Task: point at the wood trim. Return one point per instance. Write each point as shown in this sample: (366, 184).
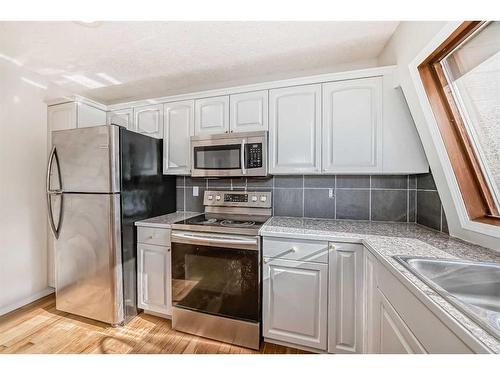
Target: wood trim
(473, 186)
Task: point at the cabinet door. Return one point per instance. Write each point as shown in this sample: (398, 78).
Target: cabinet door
(149, 120)
(352, 126)
(212, 115)
(90, 116)
(345, 318)
(61, 116)
(295, 130)
(154, 278)
(249, 111)
(122, 117)
(392, 335)
(369, 290)
(295, 302)
(179, 127)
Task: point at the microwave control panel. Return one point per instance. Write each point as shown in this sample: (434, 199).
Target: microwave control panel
(254, 155)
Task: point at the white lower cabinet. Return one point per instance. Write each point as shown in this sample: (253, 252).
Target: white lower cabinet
(391, 334)
(295, 302)
(342, 299)
(404, 324)
(154, 278)
(345, 310)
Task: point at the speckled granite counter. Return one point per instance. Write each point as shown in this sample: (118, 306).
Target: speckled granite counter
(166, 221)
(388, 239)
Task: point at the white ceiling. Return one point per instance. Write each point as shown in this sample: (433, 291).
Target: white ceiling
(113, 62)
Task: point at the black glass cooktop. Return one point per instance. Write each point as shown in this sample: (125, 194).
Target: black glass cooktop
(205, 221)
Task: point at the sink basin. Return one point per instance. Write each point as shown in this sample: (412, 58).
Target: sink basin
(473, 287)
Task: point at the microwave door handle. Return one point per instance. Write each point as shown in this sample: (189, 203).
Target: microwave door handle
(242, 157)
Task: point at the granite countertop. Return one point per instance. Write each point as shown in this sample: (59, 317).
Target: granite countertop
(388, 239)
(166, 221)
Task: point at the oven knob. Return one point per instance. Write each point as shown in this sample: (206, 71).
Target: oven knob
(210, 197)
(263, 198)
(217, 197)
(254, 198)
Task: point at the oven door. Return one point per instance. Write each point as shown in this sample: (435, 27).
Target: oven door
(216, 274)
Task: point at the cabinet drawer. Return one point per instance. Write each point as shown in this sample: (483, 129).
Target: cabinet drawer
(303, 250)
(153, 236)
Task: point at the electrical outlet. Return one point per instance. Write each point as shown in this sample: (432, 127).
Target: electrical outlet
(330, 193)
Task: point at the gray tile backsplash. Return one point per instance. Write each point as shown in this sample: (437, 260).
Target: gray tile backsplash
(401, 198)
(429, 209)
(389, 205)
(353, 204)
(288, 202)
(352, 181)
(317, 203)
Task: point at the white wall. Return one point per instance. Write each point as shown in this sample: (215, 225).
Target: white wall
(411, 42)
(23, 233)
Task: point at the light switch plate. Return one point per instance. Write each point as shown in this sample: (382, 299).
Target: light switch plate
(196, 191)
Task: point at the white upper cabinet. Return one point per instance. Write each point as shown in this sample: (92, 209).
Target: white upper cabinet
(249, 111)
(148, 120)
(295, 130)
(403, 150)
(354, 122)
(352, 126)
(123, 117)
(90, 116)
(212, 115)
(178, 128)
(61, 117)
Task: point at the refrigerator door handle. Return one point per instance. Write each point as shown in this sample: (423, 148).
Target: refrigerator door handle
(52, 156)
(55, 230)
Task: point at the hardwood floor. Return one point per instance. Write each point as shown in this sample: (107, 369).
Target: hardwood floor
(40, 328)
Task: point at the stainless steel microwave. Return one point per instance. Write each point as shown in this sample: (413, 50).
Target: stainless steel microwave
(228, 155)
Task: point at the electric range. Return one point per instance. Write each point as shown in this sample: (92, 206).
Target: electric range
(216, 270)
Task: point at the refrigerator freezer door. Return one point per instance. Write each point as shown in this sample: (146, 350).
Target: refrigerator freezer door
(88, 258)
(88, 159)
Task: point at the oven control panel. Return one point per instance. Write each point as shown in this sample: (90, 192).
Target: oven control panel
(259, 199)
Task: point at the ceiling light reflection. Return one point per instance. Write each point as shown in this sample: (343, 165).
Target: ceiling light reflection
(33, 83)
(108, 78)
(11, 59)
(84, 81)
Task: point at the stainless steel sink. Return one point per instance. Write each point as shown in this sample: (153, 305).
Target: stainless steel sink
(473, 287)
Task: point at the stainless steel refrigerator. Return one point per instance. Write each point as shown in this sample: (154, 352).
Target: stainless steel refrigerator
(100, 180)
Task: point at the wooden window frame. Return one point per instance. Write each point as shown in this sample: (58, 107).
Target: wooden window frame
(475, 191)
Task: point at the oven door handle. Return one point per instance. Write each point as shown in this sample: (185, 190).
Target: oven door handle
(213, 239)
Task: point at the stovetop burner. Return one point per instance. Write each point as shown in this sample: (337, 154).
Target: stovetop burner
(237, 224)
(206, 222)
